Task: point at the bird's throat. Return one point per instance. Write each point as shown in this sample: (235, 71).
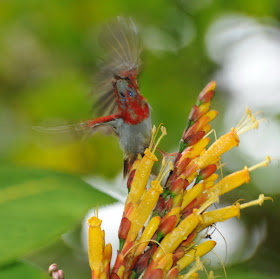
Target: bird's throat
(136, 111)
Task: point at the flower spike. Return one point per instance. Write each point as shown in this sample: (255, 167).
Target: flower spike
(160, 224)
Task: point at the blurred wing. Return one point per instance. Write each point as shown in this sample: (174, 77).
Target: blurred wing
(80, 130)
(122, 48)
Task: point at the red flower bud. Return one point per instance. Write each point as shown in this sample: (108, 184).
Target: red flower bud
(186, 184)
(177, 186)
(188, 241)
(194, 138)
(207, 93)
(192, 129)
(207, 171)
(160, 206)
(182, 165)
(196, 203)
(194, 114)
(143, 261)
(172, 273)
(179, 253)
(168, 204)
(207, 96)
(114, 276)
(167, 226)
(124, 228)
(118, 262)
(155, 274)
(130, 178)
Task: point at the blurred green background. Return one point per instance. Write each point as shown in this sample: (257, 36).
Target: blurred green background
(48, 55)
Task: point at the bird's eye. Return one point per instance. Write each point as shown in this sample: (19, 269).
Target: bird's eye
(130, 93)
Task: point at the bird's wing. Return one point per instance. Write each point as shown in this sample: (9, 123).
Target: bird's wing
(122, 50)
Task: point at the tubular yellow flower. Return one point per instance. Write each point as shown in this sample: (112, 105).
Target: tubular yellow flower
(236, 179)
(141, 177)
(107, 255)
(172, 240)
(166, 246)
(143, 211)
(95, 245)
(211, 178)
(177, 200)
(219, 147)
(147, 234)
(144, 168)
(197, 251)
(192, 272)
(231, 182)
(194, 150)
(191, 194)
(218, 215)
(165, 263)
(225, 213)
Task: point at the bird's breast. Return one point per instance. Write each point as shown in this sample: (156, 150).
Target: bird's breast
(134, 139)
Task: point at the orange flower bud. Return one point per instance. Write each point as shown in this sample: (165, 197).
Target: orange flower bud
(193, 129)
(114, 276)
(160, 207)
(196, 203)
(180, 251)
(166, 227)
(177, 186)
(206, 172)
(118, 262)
(143, 261)
(123, 230)
(130, 179)
(154, 274)
(193, 138)
(207, 93)
(173, 273)
(194, 114)
(182, 164)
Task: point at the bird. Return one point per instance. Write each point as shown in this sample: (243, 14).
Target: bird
(119, 103)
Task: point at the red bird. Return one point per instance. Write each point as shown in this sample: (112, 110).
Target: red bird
(118, 92)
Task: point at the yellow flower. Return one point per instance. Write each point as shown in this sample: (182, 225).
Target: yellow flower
(174, 212)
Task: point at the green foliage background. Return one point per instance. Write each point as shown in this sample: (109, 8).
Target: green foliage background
(48, 54)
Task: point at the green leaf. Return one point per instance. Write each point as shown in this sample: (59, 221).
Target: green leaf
(22, 270)
(37, 206)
